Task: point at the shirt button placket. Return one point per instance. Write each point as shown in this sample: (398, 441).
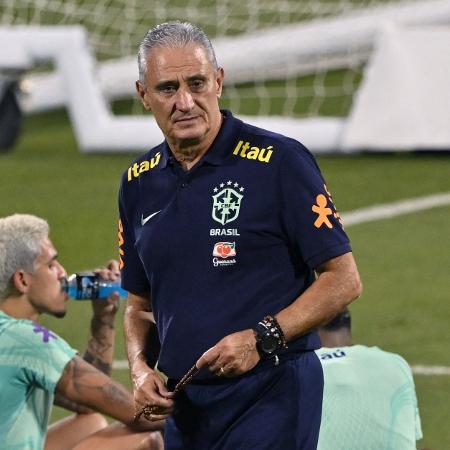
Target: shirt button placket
(184, 195)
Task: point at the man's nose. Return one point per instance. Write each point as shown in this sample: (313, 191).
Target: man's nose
(61, 271)
(184, 100)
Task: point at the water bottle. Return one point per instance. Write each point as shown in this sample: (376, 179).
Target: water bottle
(89, 286)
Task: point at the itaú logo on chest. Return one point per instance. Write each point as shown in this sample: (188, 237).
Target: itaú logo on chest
(246, 150)
(224, 249)
(136, 169)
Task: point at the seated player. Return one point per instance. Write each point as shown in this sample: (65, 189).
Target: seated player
(369, 399)
(37, 366)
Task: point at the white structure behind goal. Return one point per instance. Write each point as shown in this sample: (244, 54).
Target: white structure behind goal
(404, 100)
(402, 34)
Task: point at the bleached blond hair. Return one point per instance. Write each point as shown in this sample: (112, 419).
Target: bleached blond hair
(21, 238)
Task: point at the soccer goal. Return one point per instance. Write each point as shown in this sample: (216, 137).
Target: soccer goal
(292, 66)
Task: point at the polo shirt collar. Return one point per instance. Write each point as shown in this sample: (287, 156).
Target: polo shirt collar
(224, 141)
(220, 148)
(166, 155)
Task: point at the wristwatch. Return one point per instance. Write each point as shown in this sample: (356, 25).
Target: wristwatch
(269, 337)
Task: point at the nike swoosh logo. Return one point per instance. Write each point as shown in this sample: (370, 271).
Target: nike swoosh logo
(144, 221)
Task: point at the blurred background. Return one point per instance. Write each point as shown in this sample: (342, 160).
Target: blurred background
(309, 66)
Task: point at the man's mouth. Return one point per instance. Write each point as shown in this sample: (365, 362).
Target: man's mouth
(185, 119)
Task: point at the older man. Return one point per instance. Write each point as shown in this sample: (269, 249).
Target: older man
(223, 229)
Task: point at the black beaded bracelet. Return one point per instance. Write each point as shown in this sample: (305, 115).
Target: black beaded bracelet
(283, 337)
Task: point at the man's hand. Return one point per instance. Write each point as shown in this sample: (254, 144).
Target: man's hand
(104, 310)
(150, 390)
(233, 355)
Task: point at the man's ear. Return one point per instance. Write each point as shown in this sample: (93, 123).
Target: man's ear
(20, 281)
(220, 75)
(142, 94)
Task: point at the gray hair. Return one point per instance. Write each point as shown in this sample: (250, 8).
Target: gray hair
(173, 34)
(21, 238)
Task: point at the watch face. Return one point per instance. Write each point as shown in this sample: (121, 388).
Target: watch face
(269, 344)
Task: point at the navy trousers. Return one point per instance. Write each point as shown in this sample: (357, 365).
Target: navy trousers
(271, 407)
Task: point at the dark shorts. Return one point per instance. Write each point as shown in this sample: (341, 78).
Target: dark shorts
(276, 408)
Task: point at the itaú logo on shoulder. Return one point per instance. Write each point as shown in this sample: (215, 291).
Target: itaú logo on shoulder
(224, 249)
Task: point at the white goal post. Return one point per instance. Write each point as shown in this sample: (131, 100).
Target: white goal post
(259, 56)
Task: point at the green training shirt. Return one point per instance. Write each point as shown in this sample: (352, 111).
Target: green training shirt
(32, 360)
(369, 400)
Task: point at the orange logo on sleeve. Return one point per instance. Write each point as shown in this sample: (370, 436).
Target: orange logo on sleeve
(121, 242)
(322, 211)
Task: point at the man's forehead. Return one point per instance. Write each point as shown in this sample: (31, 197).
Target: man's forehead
(48, 250)
(192, 57)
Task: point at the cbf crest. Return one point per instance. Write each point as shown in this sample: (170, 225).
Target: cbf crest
(227, 202)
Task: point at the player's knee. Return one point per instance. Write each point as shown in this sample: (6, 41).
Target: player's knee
(95, 422)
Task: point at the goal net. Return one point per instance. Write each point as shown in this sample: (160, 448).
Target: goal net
(115, 28)
(285, 58)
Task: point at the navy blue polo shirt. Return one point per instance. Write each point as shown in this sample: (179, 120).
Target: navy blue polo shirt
(224, 244)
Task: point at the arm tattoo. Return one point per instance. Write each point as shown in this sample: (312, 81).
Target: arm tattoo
(62, 401)
(94, 390)
(100, 348)
(97, 324)
(110, 389)
(97, 362)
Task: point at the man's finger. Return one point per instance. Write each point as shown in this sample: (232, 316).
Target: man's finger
(157, 417)
(113, 265)
(161, 387)
(207, 358)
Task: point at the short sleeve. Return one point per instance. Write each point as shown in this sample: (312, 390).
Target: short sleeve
(312, 220)
(412, 394)
(133, 277)
(40, 354)
(419, 434)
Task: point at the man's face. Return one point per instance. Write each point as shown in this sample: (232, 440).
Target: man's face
(44, 288)
(182, 89)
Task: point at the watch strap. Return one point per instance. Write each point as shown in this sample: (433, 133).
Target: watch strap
(269, 328)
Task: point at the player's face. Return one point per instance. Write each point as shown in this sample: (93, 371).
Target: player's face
(44, 288)
(182, 89)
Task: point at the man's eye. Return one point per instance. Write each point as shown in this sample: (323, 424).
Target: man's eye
(167, 89)
(198, 84)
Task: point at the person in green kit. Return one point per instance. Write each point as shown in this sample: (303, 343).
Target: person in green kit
(39, 368)
(369, 399)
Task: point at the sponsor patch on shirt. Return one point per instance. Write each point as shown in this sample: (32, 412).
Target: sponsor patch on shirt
(224, 253)
(249, 151)
(136, 169)
(224, 249)
(323, 210)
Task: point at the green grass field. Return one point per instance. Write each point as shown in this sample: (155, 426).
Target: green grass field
(403, 261)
